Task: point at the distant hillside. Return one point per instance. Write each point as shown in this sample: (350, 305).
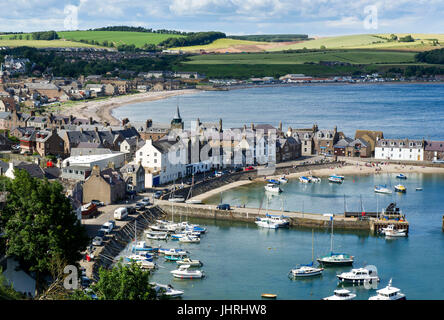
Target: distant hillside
(272, 37)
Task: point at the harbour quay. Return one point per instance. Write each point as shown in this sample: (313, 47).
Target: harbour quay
(296, 219)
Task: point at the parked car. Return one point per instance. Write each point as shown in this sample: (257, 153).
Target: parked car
(223, 206)
(98, 203)
(139, 206)
(112, 222)
(97, 241)
(249, 168)
(158, 194)
(145, 201)
(218, 174)
(107, 227)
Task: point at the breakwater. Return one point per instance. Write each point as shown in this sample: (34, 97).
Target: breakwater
(122, 237)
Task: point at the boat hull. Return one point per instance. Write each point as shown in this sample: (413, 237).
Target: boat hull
(335, 263)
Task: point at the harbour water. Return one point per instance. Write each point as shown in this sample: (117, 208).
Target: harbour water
(242, 261)
(399, 110)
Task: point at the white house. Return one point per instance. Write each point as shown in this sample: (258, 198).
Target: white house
(164, 161)
(102, 160)
(399, 149)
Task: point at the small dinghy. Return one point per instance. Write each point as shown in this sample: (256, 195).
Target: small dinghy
(269, 295)
(335, 179)
(190, 262)
(382, 189)
(314, 179)
(184, 273)
(401, 176)
(304, 179)
(156, 235)
(418, 189)
(283, 179)
(189, 239)
(271, 187)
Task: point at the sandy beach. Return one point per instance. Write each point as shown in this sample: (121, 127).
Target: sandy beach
(355, 168)
(101, 110)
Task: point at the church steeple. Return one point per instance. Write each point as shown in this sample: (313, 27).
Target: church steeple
(177, 113)
(177, 122)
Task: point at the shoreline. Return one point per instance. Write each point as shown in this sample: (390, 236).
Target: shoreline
(101, 110)
(353, 168)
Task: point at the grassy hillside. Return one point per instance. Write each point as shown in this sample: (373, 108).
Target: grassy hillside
(118, 37)
(349, 56)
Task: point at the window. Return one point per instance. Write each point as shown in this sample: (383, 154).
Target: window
(155, 160)
(141, 153)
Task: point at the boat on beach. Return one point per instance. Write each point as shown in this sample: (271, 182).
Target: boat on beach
(304, 179)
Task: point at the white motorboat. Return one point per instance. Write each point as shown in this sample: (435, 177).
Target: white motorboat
(183, 272)
(382, 189)
(266, 223)
(338, 176)
(271, 187)
(283, 179)
(314, 179)
(178, 252)
(190, 262)
(189, 239)
(390, 231)
(304, 179)
(341, 294)
(335, 179)
(146, 264)
(388, 293)
(166, 290)
(280, 220)
(156, 235)
(360, 275)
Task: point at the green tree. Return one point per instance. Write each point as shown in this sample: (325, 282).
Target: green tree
(123, 282)
(323, 48)
(40, 225)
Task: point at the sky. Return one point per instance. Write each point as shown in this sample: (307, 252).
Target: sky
(234, 17)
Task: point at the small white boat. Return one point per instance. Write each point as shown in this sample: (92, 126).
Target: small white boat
(189, 239)
(418, 189)
(184, 273)
(400, 188)
(280, 220)
(146, 264)
(388, 293)
(338, 176)
(283, 179)
(304, 179)
(306, 271)
(266, 223)
(271, 187)
(172, 252)
(401, 176)
(335, 179)
(156, 235)
(190, 262)
(341, 294)
(314, 179)
(166, 290)
(359, 276)
(382, 189)
(390, 231)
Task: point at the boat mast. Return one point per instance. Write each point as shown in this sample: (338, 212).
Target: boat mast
(312, 246)
(331, 237)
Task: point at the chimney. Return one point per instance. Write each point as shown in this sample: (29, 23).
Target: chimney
(220, 125)
(280, 126)
(95, 170)
(91, 120)
(71, 118)
(252, 126)
(148, 123)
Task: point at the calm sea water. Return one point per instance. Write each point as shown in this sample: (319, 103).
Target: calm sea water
(242, 261)
(399, 110)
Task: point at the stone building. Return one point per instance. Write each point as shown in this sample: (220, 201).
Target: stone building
(106, 185)
(434, 151)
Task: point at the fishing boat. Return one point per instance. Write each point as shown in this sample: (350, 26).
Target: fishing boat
(266, 223)
(388, 293)
(174, 257)
(190, 262)
(400, 188)
(307, 270)
(166, 290)
(335, 259)
(390, 231)
(183, 272)
(142, 246)
(401, 176)
(360, 275)
(189, 239)
(172, 251)
(156, 235)
(271, 187)
(341, 294)
(314, 179)
(335, 179)
(304, 179)
(283, 179)
(382, 188)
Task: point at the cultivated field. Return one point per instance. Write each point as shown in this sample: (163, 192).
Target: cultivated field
(118, 37)
(44, 44)
(349, 56)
